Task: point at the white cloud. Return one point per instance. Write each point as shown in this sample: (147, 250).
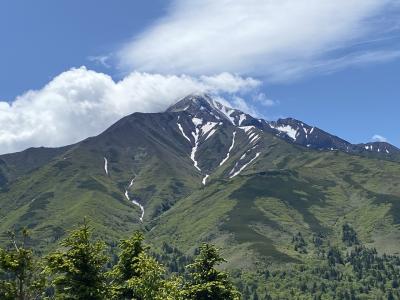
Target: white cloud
(378, 138)
(277, 39)
(79, 103)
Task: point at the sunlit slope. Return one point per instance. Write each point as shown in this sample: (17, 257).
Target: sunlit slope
(286, 190)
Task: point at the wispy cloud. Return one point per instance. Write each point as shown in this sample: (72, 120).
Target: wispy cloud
(263, 100)
(378, 138)
(277, 39)
(102, 60)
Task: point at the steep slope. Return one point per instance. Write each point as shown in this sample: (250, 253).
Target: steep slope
(255, 215)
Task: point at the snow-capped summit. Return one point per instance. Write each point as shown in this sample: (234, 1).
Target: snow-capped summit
(205, 107)
(209, 110)
(310, 136)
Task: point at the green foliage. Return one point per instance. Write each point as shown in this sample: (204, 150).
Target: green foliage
(299, 243)
(19, 271)
(127, 265)
(336, 274)
(206, 281)
(78, 271)
(173, 259)
(137, 275)
(349, 235)
(149, 284)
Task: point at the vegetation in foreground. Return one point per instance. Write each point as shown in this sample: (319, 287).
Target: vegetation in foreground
(80, 269)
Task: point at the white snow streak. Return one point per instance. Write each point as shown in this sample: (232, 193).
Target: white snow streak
(211, 133)
(183, 133)
(205, 179)
(206, 130)
(252, 134)
(255, 139)
(106, 165)
(209, 127)
(247, 128)
(229, 151)
(242, 118)
(244, 166)
(134, 201)
(194, 149)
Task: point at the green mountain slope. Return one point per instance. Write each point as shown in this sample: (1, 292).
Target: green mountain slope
(289, 190)
(201, 177)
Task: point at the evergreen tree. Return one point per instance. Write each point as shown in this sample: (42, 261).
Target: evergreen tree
(78, 270)
(139, 276)
(20, 272)
(206, 282)
(127, 265)
(349, 235)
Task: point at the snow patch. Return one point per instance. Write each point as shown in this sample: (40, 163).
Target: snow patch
(205, 179)
(194, 149)
(229, 151)
(289, 130)
(183, 133)
(242, 118)
(211, 133)
(134, 201)
(244, 166)
(247, 128)
(254, 139)
(106, 165)
(197, 121)
(209, 127)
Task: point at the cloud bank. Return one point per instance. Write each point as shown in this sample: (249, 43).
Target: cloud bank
(276, 39)
(79, 103)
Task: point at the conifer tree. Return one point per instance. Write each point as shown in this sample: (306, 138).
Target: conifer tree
(20, 271)
(137, 275)
(206, 282)
(78, 270)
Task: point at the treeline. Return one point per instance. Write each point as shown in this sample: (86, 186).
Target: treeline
(84, 268)
(348, 271)
(81, 269)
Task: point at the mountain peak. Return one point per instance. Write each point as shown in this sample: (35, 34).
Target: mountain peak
(192, 102)
(205, 106)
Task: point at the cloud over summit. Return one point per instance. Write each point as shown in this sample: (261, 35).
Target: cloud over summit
(80, 103)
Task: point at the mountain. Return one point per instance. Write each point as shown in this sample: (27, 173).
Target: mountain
(309, 136)
(201, 171)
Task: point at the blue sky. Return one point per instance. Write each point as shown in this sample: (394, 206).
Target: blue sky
(41, 39)
(335, 66)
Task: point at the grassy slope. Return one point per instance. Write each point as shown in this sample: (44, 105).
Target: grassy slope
(52, 199)
(253, 217)
(289, 189)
